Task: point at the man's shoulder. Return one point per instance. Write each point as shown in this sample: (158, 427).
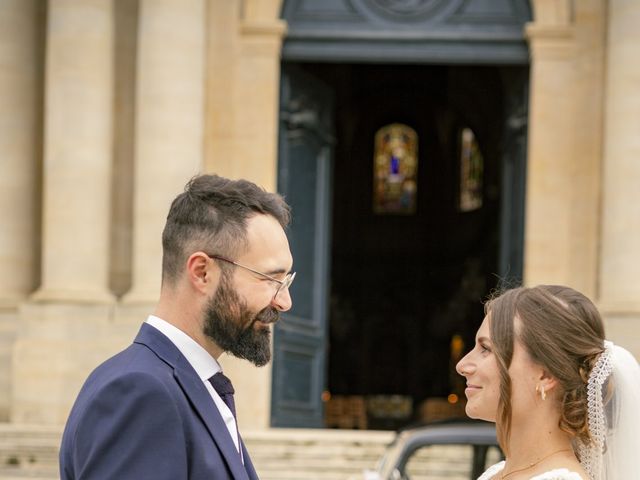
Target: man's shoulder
(143, 354)
(132, 380)
(132, 395)
(138, 376)
(136, 361)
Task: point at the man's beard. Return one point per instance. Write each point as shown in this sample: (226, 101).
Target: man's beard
(230, 323)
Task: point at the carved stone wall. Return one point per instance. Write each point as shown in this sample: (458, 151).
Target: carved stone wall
(422, 31)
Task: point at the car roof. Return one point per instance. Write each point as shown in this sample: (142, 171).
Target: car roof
(463, 432)
(451, 432)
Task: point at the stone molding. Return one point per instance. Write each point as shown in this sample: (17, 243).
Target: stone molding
(262, 37)
(54, 295)
(553, 12)
(629, 308)
(551, 41)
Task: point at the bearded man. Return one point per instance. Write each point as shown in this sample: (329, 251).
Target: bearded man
(162, 408)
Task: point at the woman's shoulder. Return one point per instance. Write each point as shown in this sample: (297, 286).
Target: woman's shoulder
(556, 474)
(491, 471)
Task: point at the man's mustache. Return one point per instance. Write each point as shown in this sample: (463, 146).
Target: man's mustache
(267, 316)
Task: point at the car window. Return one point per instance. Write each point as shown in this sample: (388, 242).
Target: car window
(444, 462)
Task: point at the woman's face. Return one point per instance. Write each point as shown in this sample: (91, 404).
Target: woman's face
(480, 368)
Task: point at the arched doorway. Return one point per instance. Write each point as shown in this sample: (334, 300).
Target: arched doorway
(383, 297)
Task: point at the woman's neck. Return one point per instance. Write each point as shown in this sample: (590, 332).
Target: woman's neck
(533, 439)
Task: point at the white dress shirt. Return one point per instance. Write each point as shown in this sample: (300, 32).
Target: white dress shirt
(204, 364)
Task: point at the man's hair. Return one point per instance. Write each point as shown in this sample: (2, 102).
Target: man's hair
(211, 215)
(562, 331)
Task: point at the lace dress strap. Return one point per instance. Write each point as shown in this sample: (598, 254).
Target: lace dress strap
(491, 471)
(557, 474)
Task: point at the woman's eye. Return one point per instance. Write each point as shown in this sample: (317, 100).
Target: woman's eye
(484, 349)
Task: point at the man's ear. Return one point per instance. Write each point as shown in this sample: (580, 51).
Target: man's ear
(202, 273)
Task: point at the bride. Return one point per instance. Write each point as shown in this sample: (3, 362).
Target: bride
(565, 400)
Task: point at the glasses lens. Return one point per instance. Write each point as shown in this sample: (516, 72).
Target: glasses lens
(286, 283)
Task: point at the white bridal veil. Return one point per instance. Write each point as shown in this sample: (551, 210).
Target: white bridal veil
(614, 417)
(622, 447)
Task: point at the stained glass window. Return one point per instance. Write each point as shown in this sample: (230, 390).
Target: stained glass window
(395, 169)
(471, 170)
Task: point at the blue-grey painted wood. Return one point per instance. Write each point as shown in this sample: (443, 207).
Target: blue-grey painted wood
(397, 31)
(514, 163)
(304, 173)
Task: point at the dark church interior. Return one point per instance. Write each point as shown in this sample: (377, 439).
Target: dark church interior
(406, 290)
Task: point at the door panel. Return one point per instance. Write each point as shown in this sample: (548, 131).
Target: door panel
(514, 163)
(304, 174)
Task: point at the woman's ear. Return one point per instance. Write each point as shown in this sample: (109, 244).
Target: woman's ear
(548, 381)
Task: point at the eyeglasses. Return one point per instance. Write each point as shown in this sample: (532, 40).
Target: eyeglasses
(282, 284)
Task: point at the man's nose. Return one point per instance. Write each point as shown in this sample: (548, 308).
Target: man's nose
(282, 300)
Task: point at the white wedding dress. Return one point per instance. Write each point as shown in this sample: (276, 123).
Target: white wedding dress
(557, 474)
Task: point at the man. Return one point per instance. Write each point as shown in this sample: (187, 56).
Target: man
(161, 409)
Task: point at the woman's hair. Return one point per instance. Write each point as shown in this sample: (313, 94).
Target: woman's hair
(563, 332)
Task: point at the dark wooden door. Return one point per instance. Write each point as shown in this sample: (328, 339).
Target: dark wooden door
(304, 174)
(514, 163)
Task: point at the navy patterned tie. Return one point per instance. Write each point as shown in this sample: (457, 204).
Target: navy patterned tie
(223, 386)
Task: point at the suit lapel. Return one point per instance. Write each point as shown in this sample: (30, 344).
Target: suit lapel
(248, 465)
(203, 403)
(200, 398)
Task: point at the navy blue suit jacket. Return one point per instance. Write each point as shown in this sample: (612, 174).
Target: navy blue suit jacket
(145, 414)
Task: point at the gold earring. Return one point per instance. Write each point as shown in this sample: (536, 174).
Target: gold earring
(541, 391)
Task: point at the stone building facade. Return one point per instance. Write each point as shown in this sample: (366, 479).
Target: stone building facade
(108, 107)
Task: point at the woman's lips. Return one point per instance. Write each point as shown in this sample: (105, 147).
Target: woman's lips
(471, 389)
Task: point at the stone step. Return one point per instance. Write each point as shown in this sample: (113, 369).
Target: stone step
(30, 452)
(302, 454)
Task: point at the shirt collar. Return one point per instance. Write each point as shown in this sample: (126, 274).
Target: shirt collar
(204, 364)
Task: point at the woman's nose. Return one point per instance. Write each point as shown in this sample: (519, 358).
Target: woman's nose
(463, 366)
